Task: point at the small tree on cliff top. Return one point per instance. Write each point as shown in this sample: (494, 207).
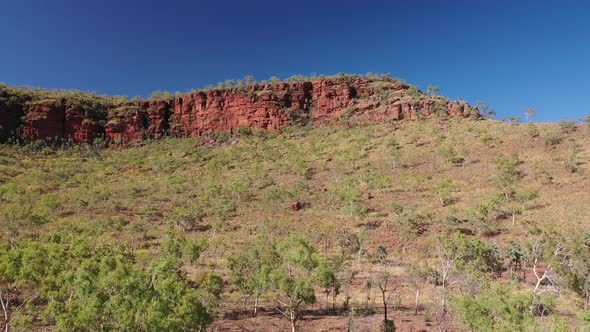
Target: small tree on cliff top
(530, 113)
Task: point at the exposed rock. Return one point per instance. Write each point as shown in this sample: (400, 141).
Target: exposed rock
(343, 100)
(44, 121)
(296, 206)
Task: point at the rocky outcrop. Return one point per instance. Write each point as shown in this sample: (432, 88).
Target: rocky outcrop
(82, 125)
(271, 107)
(140, 120)
(44, 120)
(344, 100)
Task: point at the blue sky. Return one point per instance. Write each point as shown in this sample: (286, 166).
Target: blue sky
(510, 54)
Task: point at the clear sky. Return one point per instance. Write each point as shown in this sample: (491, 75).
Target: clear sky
(512, 54)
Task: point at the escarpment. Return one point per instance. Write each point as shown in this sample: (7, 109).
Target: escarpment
(83, 118)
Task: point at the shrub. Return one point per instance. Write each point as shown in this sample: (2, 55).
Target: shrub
(388, 326)
(514, 119)
(222, 137)
(572, 163)
(158, 95)
(451, 155)
(244, 131)
(508, 174)
(532, 130)
(277, 193)
(188, 218)
(497, 308)
(411, 225)
(552, 138)
(567, 127)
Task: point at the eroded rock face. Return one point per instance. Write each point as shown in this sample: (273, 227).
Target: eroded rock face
(138, 120)
(346, 100)
(82, 125)
(266, 107)
(44, 121)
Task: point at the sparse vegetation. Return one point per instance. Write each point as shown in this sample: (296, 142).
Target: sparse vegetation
(457, 225)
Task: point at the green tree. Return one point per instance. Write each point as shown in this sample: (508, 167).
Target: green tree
(411, 225)
(251, 267)
(295, 277)
(575, 268)
(101, 287)
(328, 280)
(381, 278)
(418, 276)
(508, 175)
(497, 308)
(516, 257)
(461, 253)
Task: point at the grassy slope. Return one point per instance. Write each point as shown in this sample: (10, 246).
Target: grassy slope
(247, 187)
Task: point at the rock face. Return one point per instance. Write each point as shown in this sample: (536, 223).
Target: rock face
(266, 107)
(345, 100)
(44, 121)
(136, 121)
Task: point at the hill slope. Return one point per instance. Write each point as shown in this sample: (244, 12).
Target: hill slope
(348, 191)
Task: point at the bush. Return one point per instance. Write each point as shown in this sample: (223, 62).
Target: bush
(567, 127)
(187, 217)
(222, 137)
(451, 155)
(497, 308)
(552, 139)
(158, 95)
(244, 131)
(532, 130)
(388, 326)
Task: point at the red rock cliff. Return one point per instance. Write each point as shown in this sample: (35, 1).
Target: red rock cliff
(347, 100)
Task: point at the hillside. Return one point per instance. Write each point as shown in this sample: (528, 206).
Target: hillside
(382, 204)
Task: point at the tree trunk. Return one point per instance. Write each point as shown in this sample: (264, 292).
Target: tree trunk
(293, 323)
(416, 303)
(5, 309)
(244, 304)
(256, 305)
(384, 305)
(334, 301)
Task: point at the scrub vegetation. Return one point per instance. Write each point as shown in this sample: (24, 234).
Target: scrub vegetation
(438, 224)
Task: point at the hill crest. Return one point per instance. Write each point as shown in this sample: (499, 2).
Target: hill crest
(82, 117)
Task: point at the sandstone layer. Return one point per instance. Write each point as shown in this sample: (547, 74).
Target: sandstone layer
(347, 100)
